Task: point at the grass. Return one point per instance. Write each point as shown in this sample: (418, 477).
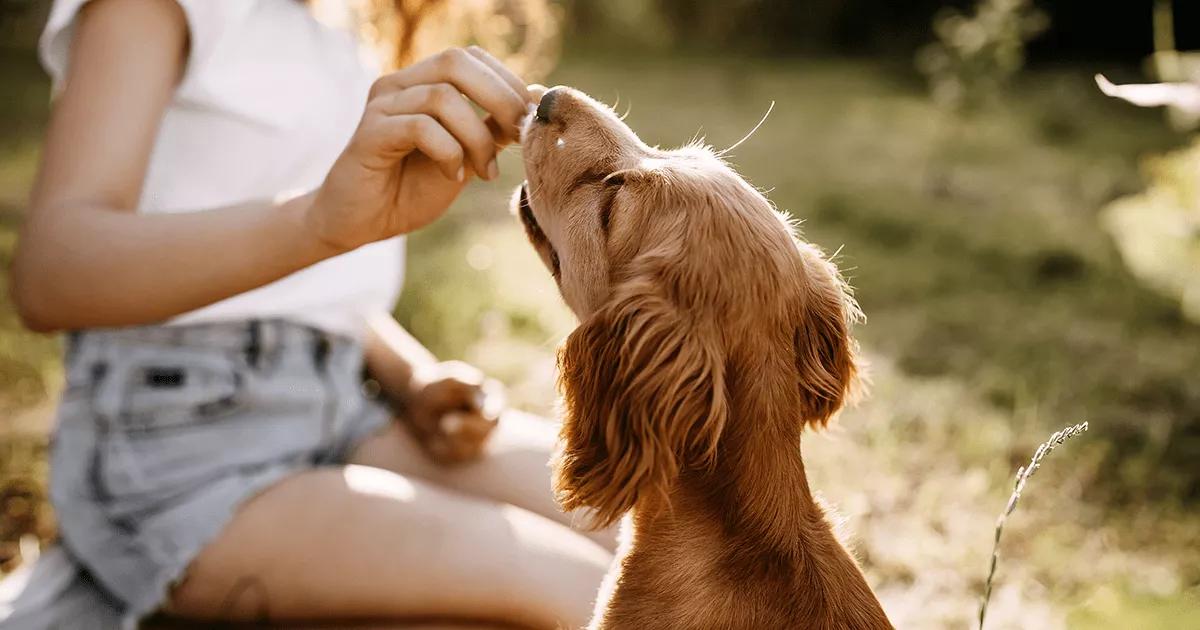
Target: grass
(997, 309)
(1111, 610)
(29, 364)
(1023, 475)
(974, 245)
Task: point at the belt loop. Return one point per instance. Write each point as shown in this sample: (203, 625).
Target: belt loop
(254, 342)
(74, 338)
(320, 349)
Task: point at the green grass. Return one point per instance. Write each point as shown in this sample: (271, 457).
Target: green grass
(29, 364)
(26, 361)
(974, 245)
(1107, 610)
(997, 309)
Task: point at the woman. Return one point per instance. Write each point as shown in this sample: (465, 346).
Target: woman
(215, 457)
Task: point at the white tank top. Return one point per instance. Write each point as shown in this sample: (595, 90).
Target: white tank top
(268, 100)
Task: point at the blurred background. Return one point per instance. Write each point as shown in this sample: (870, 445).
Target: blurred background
(1026, 249)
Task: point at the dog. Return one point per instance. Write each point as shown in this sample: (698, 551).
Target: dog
(710, 337)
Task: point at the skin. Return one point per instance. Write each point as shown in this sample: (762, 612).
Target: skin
(400, 537)
(395, 535)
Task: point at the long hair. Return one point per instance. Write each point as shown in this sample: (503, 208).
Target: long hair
(522, 33)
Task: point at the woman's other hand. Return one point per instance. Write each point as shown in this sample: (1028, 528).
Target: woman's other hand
(417, 144)
(451, 409)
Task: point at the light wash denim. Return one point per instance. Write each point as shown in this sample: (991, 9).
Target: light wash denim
(163, 431)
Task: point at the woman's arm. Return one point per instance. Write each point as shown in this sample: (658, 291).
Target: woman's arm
(393, 356)
(86, 259)
(450, 408)
(82, 266)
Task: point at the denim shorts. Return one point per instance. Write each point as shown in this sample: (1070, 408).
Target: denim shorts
(164, 431)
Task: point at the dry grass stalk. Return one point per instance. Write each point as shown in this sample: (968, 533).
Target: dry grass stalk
(1023, 475)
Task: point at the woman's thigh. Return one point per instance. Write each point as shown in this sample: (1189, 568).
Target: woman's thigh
(364, 543)
(516, 468)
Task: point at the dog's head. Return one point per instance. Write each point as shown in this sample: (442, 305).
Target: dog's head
(688, 286)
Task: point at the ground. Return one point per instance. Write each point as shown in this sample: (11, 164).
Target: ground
(997, 310)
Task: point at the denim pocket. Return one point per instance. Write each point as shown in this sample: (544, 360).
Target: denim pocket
(162, 416)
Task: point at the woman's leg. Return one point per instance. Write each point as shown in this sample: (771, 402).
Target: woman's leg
(360, 542)
(515, 470)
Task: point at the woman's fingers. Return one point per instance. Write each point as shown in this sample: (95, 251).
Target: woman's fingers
(471, 76)
(500, 134)
(494, 399)
(500, 69)
(397, 136)
(485, 398)
(421, 108)
(444, 102)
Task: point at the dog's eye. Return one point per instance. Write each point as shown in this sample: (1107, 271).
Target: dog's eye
(612, 185)
(606, 209)
(526, 213)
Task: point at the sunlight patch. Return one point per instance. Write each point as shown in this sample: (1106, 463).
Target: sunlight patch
(380, 483)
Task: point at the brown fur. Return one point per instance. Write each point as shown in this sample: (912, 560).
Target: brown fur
(710, 337)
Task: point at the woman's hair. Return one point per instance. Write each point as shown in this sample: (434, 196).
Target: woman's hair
(522, 33)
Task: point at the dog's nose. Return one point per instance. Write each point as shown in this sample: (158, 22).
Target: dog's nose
(546, 105)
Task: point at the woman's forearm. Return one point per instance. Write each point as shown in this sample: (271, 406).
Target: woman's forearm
(393, 355)
(92, 267)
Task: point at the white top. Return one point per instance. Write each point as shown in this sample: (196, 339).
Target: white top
(268, 100)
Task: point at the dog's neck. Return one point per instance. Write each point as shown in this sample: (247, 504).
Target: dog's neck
(753, 521)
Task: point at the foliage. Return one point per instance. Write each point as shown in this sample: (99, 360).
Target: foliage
(754, 26)
(1158, 230)
(771, 24)
(976, 55)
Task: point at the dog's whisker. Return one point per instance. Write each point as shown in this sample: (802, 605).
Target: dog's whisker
(752, 131)
(531, 192)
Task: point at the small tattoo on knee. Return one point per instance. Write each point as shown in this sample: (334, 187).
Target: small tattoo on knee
(247, 599)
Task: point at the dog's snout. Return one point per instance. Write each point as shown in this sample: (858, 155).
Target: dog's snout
(545, 107)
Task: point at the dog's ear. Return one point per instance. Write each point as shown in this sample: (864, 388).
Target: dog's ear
(826, 353)
(643, 387)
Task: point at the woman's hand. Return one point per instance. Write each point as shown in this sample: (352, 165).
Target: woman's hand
(451, 409)
(417, 144)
